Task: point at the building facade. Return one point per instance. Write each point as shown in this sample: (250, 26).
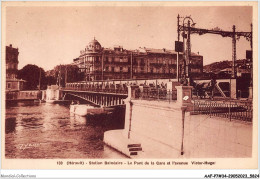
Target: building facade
(196, 64)
(11, 57)
(99, 63)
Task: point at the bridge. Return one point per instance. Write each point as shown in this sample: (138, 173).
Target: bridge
(107, 93)
(113, 93)
(100, 98)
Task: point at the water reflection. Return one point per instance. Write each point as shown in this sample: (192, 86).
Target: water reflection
(77, 120)
(49, 131)
(10, 125)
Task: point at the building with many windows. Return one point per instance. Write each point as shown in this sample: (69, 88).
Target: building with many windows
(99, 63)
(11, 57)
(196, 64)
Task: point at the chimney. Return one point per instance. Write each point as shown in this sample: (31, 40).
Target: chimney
(10, 45)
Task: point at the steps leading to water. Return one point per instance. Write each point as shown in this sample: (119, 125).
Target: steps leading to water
(134, 149)
(133, 145)
(118, 140)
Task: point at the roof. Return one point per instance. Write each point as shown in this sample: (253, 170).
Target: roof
(14, 79)
(226, 69)
(195, 54)
(94, 42)
(154, 51)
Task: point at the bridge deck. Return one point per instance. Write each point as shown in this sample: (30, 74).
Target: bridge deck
(96, 92)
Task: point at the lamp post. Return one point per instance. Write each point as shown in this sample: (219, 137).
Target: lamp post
(187, 52)
(251, 60)
(250, 96)
(178, 54)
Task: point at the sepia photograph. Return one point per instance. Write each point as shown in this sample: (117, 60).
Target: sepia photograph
(110, 84)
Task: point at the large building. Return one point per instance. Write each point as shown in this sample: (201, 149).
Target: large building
(11, 57)
(99, 63)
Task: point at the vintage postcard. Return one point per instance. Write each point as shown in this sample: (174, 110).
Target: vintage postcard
(129, 85)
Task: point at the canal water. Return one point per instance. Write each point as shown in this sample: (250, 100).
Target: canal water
(48, 131)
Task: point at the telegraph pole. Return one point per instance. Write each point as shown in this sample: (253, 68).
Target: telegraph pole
(66, 78)
(233, 34)
(251, 66)
(131, 70)
(102, 66)
(234, 70)
(178, 30)
(188, 51)
(183, 54)
(250, 96)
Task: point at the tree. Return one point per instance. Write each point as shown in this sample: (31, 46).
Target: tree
(31, 74)
(61, 74)
(73, 73)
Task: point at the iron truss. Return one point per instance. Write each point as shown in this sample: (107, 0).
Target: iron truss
(193, 30)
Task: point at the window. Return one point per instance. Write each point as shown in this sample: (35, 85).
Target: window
(163, 70)
(142, 61)
(164, 62)
(113, 69)
(121, 69)
(134, 61)
(8, 85)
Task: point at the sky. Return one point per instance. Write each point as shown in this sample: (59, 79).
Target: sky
(49, 36)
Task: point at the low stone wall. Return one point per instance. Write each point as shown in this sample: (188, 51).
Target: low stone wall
(159, 121)
(161, 124)
(23, 95)
(217, 137)
(163, 130)
(157, 126)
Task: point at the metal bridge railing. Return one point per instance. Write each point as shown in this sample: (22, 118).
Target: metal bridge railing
(97, 89)
(155, 94)
(228, 109)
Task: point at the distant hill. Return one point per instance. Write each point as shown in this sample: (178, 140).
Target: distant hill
(217, 66)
